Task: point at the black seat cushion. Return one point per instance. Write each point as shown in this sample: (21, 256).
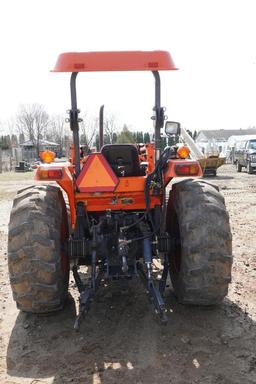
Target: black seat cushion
(123, 159)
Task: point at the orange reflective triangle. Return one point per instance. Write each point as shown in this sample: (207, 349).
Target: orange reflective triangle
(96, 175)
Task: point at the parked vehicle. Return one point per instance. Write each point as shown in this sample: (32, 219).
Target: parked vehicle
(208, 161)
(245, 156)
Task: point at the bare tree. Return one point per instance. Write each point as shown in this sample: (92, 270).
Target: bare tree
(1, 126)
(25, 121)
(57, 131)
(11, 126)
(110, 127)
(41, 123)
(32, 120)
(21, 138)
(88, 130)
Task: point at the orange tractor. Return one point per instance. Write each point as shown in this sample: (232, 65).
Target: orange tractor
(120, 219)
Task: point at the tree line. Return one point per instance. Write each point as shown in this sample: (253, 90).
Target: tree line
(33, 123)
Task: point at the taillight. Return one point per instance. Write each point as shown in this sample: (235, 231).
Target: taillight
(187, 169)
(50, 174)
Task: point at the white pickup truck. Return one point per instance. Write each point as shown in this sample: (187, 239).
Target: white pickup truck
(245, 156)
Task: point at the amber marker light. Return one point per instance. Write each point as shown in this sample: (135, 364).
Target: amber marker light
(47, 156)
(183, 152)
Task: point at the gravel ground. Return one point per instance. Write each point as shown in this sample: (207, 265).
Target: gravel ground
(120, 339)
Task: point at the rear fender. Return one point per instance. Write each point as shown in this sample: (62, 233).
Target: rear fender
(65, 180)
(181, 168)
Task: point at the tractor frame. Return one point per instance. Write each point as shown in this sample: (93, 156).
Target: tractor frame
(119, 217)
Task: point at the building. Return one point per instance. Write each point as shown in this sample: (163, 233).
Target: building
(220, 137)
(29, 150)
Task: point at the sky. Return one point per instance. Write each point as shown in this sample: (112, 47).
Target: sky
(212, 42)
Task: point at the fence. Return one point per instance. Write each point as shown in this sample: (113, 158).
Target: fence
(5, 160)
(9, 158)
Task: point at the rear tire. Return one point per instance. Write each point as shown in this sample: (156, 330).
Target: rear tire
(249, 169)
(201, 258)
(38, 264)
(238, 166)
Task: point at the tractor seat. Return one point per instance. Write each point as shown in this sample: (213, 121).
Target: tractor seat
(123, 159)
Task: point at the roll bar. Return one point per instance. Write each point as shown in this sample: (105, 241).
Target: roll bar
(74, 119)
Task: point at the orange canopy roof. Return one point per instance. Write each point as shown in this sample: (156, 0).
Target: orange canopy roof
(114, 61)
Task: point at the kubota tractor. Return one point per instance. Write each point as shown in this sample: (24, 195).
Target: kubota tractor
(120, 219)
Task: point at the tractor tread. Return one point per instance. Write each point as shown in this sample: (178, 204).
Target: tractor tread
(34, 248)
(205, 236)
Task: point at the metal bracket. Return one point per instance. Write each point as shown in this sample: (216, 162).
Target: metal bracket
(155, 294)
(162, 282)
(86, 294)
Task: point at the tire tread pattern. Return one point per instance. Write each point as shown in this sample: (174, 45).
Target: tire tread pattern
(205, 242)
(34, 249)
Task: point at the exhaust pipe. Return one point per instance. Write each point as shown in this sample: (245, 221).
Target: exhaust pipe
(101, 133)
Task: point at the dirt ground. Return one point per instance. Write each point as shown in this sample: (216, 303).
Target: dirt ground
(120, 340)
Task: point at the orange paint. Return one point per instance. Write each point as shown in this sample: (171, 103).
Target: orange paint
(169, 171)
(100, 202)
(150, 157)
(66, 182)
(114, 61)
(127, 194)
